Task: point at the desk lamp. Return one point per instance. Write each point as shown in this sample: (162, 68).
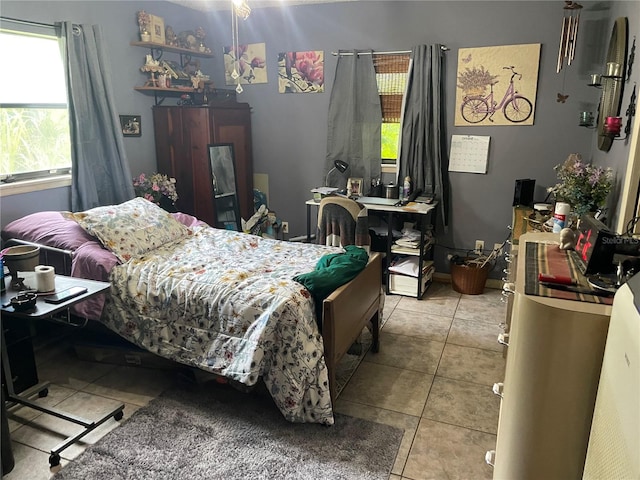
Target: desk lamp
(339, 165)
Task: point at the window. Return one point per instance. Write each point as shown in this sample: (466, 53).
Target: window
(391, 76)
(34, 121)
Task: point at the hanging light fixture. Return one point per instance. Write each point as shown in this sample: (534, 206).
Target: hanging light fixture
(239, 8)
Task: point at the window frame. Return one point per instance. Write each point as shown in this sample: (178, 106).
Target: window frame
(42, 179)
(383, 66)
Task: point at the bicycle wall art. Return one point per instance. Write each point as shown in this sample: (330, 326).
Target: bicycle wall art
(497, 85)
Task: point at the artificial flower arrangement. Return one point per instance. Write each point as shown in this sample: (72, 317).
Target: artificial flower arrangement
(582, 185)
(155, 187)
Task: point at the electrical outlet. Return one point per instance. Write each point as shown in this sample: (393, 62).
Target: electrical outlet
(285, 227)
(497, 247)
(479, 247)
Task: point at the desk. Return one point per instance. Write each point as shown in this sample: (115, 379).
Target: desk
(423, 210)
(42, 311)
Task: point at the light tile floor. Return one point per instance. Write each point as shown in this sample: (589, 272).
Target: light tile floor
(433, 377)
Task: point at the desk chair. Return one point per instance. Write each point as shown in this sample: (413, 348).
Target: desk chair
(341, 222)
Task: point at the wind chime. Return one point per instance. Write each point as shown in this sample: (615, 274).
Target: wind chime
(239, 8)
(568, 39)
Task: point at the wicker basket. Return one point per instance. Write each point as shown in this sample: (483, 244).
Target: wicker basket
(469, 278)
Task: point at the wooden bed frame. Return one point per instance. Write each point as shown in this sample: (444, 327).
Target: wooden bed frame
(346, 312)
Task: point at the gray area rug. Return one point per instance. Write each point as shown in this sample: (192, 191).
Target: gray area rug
(215, 432)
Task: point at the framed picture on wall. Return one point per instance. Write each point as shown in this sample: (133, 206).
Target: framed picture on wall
(131, 125)
(157, 29)
(354, 187)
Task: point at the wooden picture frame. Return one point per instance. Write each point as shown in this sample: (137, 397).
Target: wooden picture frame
(131, 125)
(354, 187)
(157, 29)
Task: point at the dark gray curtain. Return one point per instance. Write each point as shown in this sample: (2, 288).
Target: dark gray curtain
(423, 152)
(355, 117)
(99, 166)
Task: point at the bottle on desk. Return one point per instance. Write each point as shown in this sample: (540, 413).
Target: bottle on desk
(406, 188)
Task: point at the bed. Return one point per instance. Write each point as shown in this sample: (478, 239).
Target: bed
(218, 300)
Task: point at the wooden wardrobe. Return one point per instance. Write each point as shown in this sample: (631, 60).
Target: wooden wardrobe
(182, 134)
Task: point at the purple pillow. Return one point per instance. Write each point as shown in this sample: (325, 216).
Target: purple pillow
(188, 220)
(48, 228)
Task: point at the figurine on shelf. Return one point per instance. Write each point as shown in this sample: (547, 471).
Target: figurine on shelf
(170, 36)
(144, 22)
(201, 35)
(150, 62)
(152, 67)
(185, 99)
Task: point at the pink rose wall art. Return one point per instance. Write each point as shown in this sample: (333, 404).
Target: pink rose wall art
(301, 72)
(249, 62)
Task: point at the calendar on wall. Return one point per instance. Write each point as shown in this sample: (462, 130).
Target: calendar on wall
(469, 153)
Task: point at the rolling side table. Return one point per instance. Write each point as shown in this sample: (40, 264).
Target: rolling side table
(43, 311)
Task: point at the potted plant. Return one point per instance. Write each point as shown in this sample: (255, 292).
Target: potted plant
(157, 188)
(583, 186)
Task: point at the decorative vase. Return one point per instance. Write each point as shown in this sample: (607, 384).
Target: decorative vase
(167, 204)
(145, 36)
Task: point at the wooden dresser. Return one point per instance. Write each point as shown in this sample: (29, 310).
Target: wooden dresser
(554, 356)
(182, 134)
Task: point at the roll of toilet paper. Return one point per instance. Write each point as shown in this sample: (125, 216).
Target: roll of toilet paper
(45, 278)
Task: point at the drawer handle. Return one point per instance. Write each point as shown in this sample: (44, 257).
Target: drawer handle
(490, 457)
(498, 389)
(505, 297)
(503, 338)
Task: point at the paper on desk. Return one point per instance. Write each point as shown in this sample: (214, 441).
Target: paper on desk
(324, 190)
(417, 207)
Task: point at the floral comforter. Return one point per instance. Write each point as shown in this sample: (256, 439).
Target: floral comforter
(226, 303)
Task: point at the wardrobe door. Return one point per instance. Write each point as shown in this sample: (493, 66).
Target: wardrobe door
(182, 135)
(196, 138)
(231, 123)
(171, 155)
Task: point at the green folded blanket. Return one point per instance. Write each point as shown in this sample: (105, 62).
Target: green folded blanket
(331, 271)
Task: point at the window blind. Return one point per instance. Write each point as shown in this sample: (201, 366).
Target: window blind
(391, 76)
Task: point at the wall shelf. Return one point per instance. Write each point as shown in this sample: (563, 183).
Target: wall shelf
(160, 94)
(168, 48)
